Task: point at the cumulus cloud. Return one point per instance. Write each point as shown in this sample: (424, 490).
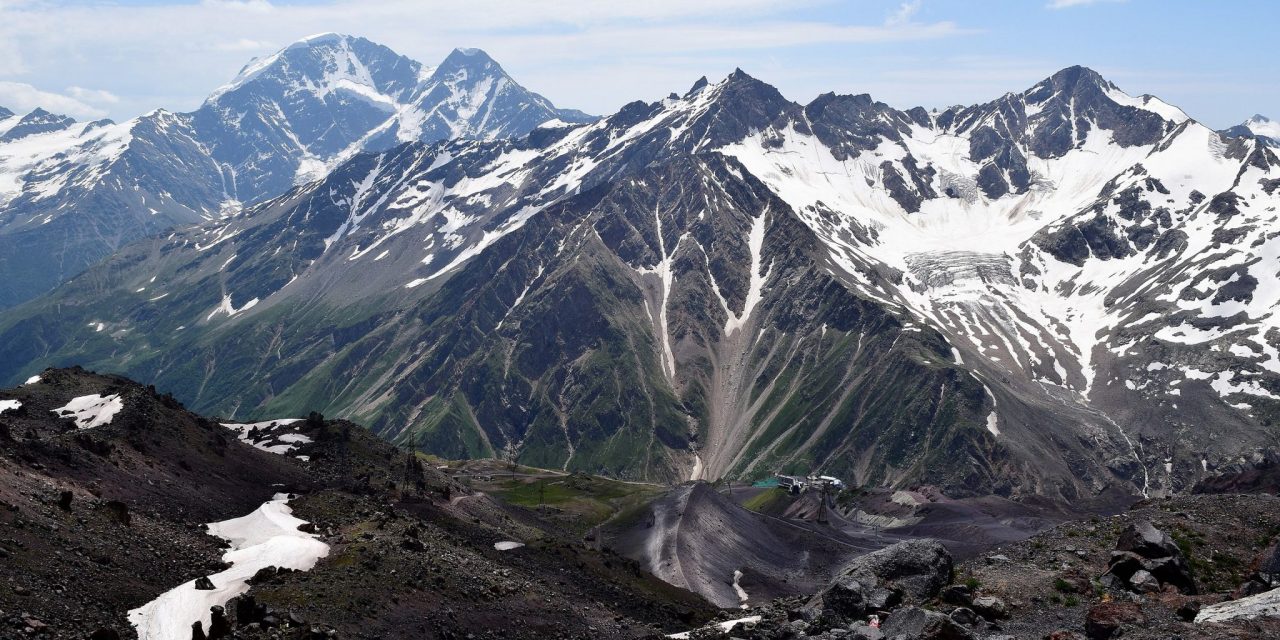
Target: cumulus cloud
(21, 98)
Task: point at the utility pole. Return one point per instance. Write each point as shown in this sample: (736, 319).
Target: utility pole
(822, 503)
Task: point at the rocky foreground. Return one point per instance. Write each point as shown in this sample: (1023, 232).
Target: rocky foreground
(106, 489)
(1189, 567)
(104, 509)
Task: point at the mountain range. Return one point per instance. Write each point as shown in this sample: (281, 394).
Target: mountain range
(72, 193)
(1067, 291)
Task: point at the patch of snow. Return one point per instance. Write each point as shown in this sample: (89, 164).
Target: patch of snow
(8, 405)
(755, 290)
(92, 410)
(32, 380)
(725, 626)
(268, 537)
(737, 588)
(507, 545)
(268, 440)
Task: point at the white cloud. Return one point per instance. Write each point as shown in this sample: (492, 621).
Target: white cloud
(96, 96)
(903, 14)
(1066, 4)
(21, 98)
(190, 48)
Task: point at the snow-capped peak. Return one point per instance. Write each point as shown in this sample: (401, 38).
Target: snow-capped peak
(1261, 125)
(319, 62)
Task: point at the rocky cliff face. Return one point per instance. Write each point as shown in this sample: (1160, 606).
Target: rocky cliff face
(1014, 297)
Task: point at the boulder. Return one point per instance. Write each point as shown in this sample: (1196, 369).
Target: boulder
(863, 632)
(919, 568)
(957, 594)
(1173, 570)
(1124, 564)
(219, 626)
(119, 512)
(844, 598)
(921, 624)
(1105, 620)
(964, 616)
(883, 599)
(1188, 611)
(197, 631)
(1268, 569)
(1145, 560)
(247, 610)
(1143, 582)
(203, 583)
(1263, 605)
(1147, 541)
(990, 607)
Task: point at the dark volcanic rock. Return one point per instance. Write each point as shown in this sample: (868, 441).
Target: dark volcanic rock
(1145, 559)
(920, 568)
(1147, 541)
(844, 598)
(922, 624)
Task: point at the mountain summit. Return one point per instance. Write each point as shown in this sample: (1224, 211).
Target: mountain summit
(1259, 125)
(72, 193)
(470, 96)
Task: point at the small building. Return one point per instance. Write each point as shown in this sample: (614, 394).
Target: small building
(797, 484)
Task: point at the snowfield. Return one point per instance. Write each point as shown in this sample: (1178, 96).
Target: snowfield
(6, 405)
(92, 410)
(268, 537)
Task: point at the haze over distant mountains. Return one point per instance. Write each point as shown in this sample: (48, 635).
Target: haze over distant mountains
(1068, 291)
(72, 193)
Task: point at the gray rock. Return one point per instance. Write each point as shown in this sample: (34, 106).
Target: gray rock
(1143, 539)
(1173, 570)
(920, 624)
(883, 599)
(919, 568)
(1143, 582)
(964, 616)
(864, 632)
(990, 607)
(844, 598)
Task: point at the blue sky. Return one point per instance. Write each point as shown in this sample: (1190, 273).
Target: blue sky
(122, 58)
